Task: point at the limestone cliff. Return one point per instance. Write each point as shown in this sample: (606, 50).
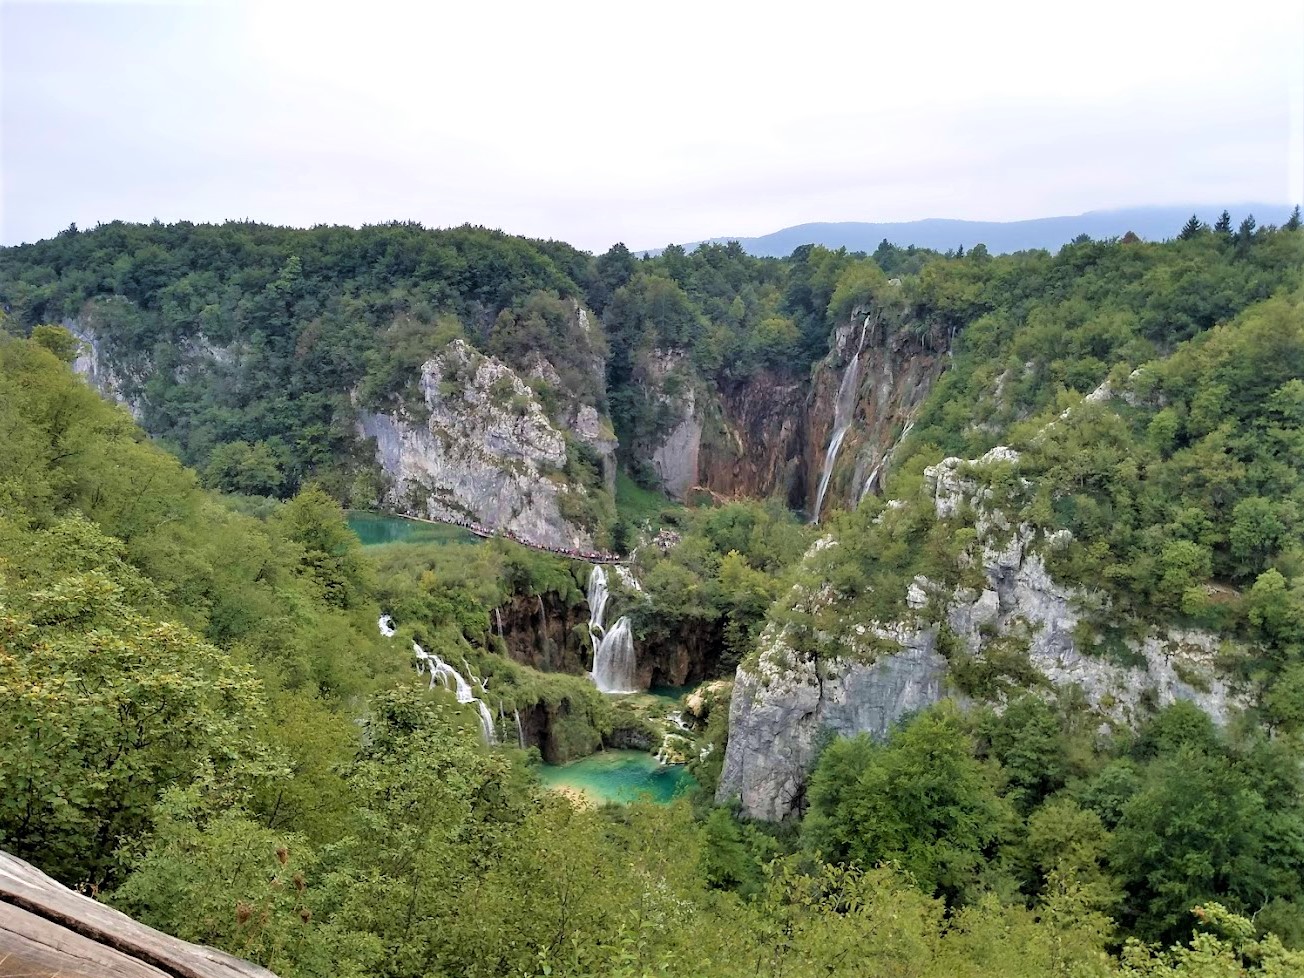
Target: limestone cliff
(115, 381)
(768, 434)
(479, 446)
(785, 698)
(755, 439)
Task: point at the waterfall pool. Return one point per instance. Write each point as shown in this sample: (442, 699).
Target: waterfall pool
(619, 777)
(374, 529)
(671, 694)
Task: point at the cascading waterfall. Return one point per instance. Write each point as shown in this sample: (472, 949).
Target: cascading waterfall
(498, 619)
(442, 672)
(520, 731)
(843, 410)
(386, 624)
(614, 662)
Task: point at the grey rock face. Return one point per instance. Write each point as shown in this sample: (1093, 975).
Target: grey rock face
(94, 366)
(675, 461)
(675, 458)
(487, 451)
(784, 699)
(778, 713)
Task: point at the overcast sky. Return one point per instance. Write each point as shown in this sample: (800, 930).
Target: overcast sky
(644, 123)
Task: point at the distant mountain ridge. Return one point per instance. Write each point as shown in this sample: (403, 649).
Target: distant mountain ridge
(944, 234)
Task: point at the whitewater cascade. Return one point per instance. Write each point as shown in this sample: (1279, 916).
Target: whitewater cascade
(843, 409)
(386, 624)
(520, 731)
(614, 662)
(442, 672)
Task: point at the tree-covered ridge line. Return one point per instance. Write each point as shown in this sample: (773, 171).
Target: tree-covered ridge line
(242, 342)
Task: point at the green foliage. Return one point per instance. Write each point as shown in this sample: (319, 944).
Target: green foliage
(728, 568)
(58, 341)
(920, 801)
(196, 709)
(105, 705)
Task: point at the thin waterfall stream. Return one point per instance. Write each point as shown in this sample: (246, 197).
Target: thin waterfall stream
(843, 410)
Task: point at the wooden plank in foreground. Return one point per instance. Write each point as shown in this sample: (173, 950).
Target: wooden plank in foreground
(35, 910)
(33, 947)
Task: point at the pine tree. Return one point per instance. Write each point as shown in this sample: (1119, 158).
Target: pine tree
(1245, 235)
(1294, 222)
(1224, 225)
(1192, 229)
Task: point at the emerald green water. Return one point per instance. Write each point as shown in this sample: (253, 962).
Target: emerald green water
(670, 694)
(374, 529)
(619, 776)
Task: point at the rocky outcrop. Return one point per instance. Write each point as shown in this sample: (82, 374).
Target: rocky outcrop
(93, 363)
(479, 446)
(678, 656)
(544, 631)
(674, 457)
(785, 699)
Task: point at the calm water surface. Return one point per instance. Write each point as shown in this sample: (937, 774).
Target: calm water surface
(619, 776)
(375, 528)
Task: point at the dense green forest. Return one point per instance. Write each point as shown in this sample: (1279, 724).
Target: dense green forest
(201, 720)
(180, 686)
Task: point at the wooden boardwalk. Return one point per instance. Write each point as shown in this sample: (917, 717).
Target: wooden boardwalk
(49, 931)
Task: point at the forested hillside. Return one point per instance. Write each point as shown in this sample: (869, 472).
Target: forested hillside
(1028, 701)
(252, 350)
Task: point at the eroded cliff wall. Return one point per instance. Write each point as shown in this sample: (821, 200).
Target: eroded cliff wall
(785, 699)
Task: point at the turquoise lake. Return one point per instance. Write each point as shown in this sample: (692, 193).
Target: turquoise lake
(619, 776)
(374, 529)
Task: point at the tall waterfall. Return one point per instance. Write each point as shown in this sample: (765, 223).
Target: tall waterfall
(442, 672)
(843, 410)
(614, 662)
(520, 730)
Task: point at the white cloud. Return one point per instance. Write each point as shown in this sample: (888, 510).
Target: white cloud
(594, 122)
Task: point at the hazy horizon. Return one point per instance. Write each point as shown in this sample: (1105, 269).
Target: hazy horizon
(595, 125)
